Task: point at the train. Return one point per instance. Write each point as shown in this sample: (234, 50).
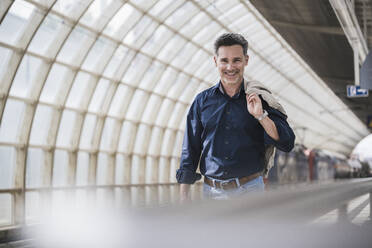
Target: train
(307, 165)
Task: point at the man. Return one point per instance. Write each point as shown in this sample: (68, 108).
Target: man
(228, 131)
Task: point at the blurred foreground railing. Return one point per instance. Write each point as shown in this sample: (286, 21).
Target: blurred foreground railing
(276, 218)
(47, 199)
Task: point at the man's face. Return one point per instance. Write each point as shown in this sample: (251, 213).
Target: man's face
(231, 61)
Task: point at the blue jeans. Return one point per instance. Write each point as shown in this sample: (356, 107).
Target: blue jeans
(255, 185)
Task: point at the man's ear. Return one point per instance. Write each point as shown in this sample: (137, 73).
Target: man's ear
(246, 59)
(215, 60)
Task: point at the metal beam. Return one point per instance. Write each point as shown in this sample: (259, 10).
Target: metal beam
(340, 79)
(345, 13)
(311, 28)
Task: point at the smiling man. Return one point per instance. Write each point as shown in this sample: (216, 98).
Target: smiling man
(228, 131)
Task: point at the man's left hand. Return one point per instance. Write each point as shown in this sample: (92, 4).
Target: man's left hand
(254, 105)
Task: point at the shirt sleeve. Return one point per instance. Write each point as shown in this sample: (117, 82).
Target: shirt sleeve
(286, 134)
(191, 147)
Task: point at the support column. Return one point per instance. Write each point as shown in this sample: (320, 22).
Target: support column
(356, 62)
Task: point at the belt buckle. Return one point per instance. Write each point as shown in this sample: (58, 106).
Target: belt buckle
(224, 183)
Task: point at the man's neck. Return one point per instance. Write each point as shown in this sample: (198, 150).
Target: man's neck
(231, 89)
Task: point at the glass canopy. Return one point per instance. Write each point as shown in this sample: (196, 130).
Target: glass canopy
(95, 93)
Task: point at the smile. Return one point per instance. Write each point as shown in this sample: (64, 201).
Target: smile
(231, 74)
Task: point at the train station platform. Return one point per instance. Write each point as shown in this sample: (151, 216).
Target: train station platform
(94, 100)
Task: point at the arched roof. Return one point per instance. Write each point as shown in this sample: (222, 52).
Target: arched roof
(96, 92)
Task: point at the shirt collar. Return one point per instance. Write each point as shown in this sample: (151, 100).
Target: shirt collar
(218, 87)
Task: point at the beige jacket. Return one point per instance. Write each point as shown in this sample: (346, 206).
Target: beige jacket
(258, 88)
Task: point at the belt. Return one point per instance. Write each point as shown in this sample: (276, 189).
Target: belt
(231, 183)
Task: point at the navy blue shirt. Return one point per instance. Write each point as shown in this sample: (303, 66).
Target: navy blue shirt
(227, 140)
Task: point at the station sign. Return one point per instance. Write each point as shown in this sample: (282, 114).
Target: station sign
(356, 91)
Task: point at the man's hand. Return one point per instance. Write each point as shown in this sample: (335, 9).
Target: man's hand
(254, 105)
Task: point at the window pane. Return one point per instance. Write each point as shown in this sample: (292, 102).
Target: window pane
(76, 46)
(195, 24)
(182, 15)
(157, 40)
(115, 61)
(7, 158)
(163, 8)
(41, 125)
(107, 133)
(171, 48)
(178, 87)
(71, 8)
(33, 207)
(97, 11)
(98, 55)
(122, 98)
(144, 4)
(137, 105)
(88, 131)
(12, 119)
(46, 34)
(167, 79)
(152, 75)
(122, 172)
(57, 78)
(82, 169)
(136, 70)
(5, 209)
(99, 95)
(102, 169)
(16, 21)
(184, 56)
(139, 34)
(152, 109)
(195, 61)
(127, 137)
(60, 167)
(26, 74)
(78, 90)
(142, 139)
(34, 168)
(122, 21)
(66, 127)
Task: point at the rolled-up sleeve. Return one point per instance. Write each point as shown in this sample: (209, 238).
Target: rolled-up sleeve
(191, 147)
(286, 134)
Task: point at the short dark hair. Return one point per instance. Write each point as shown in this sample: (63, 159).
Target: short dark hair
(230, 39)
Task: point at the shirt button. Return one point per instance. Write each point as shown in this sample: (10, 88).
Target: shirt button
(226, 142)
(227, 128)
(226, 158)
(228, 112)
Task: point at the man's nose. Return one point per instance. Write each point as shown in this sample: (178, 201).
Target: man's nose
(229, 66)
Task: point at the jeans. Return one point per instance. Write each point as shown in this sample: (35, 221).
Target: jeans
(255, 185)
